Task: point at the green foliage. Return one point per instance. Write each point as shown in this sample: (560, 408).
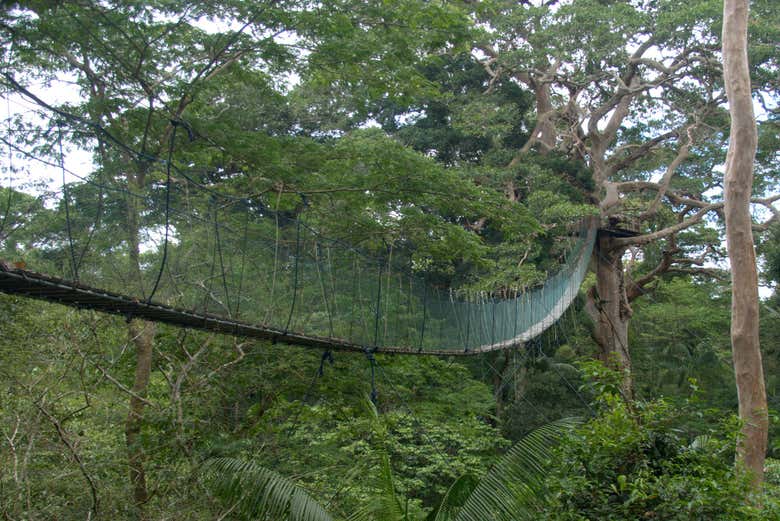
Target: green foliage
(633, 462)
(432, 185)
(681, 332)
(432, 427)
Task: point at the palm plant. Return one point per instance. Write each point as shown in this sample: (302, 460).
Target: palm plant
(513, 489)
(256, 492)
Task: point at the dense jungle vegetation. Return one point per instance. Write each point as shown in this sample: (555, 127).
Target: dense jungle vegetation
(467, 138)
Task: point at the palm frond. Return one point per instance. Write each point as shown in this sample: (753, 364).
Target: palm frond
(514, 488)
(259, 492)
(454, 499)
(701, 442)
(385, 506)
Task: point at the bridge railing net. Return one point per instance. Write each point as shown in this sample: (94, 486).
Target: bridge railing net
(236, 258)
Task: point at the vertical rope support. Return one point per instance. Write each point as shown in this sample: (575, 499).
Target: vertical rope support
(517, 313)
(378, 307)
(318, 256)
(221, 260)
(424, 316)
(167, 209)
(73, 267)
(493, 320)
(355, 292)
(208, 293)
(7, 212)
(295, 273)
(96, 224)
(468, 325)
(243, 263)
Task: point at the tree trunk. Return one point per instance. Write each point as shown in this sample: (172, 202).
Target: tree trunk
(142, 336)
(610, 310)
(545, 128)
(748, 367)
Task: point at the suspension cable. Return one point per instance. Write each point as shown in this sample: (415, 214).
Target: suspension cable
(171, 144)
(295, 273)
(74, 268)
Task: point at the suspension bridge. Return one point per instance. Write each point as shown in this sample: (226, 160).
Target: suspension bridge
(182, 253)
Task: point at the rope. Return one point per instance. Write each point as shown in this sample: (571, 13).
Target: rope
(322, 287)
(378, 306)
(327, 356)
(95, 225)
(295, 274)
(7, 211)
(243, 263)
(425, 312)
(208, 293)
(167, 210)
(372, 363)
(74, 268)
(221, 260)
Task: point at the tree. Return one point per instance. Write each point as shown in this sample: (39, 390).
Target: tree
(738, 188)
(633, 91)
(138, 74)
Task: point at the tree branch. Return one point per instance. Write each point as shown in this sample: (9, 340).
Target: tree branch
(62, 434)
(660, 234)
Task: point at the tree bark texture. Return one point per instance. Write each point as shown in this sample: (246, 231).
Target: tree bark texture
(544, 111)
(748, 367)
(142, 337)
(610, 310)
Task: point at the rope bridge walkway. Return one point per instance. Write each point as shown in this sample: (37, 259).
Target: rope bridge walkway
(182, 253)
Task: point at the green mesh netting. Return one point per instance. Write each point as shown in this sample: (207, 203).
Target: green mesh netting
(236, 258)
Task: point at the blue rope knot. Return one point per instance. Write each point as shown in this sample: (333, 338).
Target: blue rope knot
(327, 356)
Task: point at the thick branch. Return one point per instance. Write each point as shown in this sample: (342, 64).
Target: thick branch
(635, 288)
(660, 234)
(682, 155)
(638, 151)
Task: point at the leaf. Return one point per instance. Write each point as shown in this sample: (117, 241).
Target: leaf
(454, 499)
(384, 506)
(515, 487)
(261, 492)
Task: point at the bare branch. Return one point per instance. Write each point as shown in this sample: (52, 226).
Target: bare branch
(63, 435)
(635, 288)
(682, 155)
(660, 234)
(638, 151)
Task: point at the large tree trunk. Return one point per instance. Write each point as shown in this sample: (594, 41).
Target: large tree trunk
(142, 336)
(545, 127)
(610, 310)
(748, 367)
